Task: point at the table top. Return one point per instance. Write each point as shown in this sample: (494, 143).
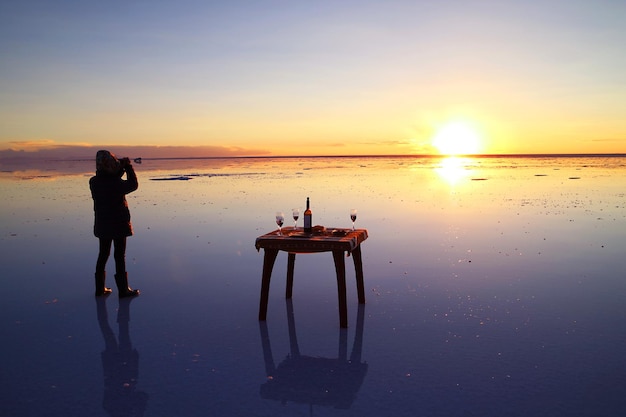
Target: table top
(321, 239)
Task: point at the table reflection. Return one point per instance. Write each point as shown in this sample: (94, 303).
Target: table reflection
(120, 363)
(314, 380)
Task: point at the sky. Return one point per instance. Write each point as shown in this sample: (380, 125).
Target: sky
(313, 77)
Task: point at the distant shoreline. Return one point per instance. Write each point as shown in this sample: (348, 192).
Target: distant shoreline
(23, 158)
(547, 155)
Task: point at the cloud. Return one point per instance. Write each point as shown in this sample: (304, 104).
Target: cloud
(608, 140)
(31, 145)
(49, 150)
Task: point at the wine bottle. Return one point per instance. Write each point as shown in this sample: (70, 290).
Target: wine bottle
(308, 221)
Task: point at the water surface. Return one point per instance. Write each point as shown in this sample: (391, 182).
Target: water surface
(494, 286)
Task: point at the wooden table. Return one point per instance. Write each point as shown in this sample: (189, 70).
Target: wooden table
(335, 240)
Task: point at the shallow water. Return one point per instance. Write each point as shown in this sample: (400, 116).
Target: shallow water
(494, 286)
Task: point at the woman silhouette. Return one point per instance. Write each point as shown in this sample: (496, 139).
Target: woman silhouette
(112, 218)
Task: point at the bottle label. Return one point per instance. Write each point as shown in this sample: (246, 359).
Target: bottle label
(307, 222)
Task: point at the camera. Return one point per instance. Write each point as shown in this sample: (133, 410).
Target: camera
(124, 162)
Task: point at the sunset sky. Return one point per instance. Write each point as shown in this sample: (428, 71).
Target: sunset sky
(315, 77)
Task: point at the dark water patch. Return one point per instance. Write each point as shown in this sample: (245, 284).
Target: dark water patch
(479, 179)
(574, 178)
(35, 177)
(186, 177)
(541, 175)
(181, 178)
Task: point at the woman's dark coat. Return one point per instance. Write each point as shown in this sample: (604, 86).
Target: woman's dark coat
(112, 217)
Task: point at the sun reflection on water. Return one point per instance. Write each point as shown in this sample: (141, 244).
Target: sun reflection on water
(453, 170)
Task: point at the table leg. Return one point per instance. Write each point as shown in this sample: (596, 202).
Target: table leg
(268, 264)
(340, 268)
(358, 269)
(343, 345)
(293, 338)
(291, 260)
(357, 347)
(268, 358)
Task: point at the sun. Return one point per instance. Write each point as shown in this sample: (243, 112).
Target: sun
(457, 138)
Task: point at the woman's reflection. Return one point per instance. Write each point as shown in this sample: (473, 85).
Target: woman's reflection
(313, 380)
(120, 363)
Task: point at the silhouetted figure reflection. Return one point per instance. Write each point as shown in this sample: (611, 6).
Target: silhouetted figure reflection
(313, 380)
(120, 363)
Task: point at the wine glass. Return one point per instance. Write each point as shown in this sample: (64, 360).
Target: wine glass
(280, 219)
(353, 217)
(296, 214)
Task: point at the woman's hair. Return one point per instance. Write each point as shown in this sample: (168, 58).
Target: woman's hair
(107, 162)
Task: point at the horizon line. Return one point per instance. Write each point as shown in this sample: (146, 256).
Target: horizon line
(484, 155)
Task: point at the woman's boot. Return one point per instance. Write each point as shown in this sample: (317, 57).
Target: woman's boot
(122, 286)
(100, 288)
